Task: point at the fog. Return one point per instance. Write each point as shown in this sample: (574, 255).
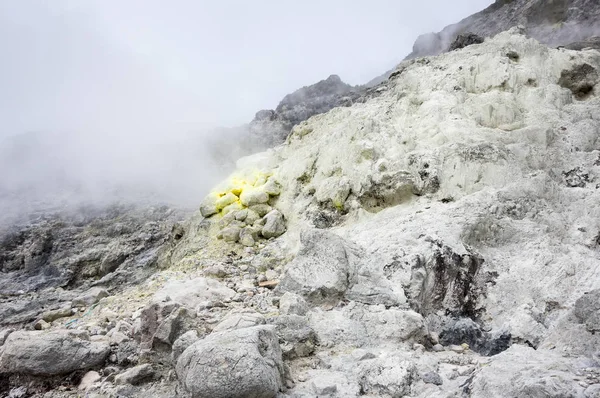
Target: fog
(104, 100)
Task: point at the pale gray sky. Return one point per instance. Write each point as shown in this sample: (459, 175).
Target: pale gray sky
(141, 67)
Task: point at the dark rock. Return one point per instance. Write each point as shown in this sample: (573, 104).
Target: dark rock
(464, 330)
(432, 378)
(587, 310)
(581, 80)
(447, 281)
(464, 40)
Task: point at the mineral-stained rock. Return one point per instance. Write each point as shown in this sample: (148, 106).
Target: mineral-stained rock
(51, 353)
(242, 363)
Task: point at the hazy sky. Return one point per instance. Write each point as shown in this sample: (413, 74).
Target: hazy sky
(154, 66)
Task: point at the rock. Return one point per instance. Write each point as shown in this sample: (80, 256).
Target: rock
(209, 206)
(334, 190)
(183, 342)
(323, 386)
(247, 236)
(261, 209)
(239, 320)
(581, 80)
(272, 187)
(18, 392)
(135, 375)
(4, 334)
(297, 338)
(587, 310)
(90, 297)
(250, 197)
(292, 304)
(225, 200)
(386, 377)
(88, 380)
(171, 327)
(465, 40)
(459, 349)
(51, 316)
(51, 353)
(522, 371)
(193, 292)
(432, 378)
(161, 324)
(233, 364)
(438, 348)
(361, 355)
(41, 325)
(274, 225)
(252, 216)
(320, 270)
(231, 234)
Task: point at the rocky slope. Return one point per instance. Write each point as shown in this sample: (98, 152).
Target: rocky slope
(552, 22)
(439, 239)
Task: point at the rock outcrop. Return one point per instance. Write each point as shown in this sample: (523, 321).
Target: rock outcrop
(554, 22)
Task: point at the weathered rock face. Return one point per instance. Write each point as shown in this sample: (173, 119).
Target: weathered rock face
(555, 22)
(234, 364)
(51, 353)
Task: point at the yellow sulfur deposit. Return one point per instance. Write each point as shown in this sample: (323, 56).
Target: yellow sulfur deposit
(240, 192)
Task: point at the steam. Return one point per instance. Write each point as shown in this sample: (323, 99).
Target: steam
(106, 102)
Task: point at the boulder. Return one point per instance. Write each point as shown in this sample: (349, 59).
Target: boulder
(251, 197)
(135, 375)
(90, 297)
(587, 310)
(387, 377)
(243, 363)
(51, 353)
(183, 342)
(239, 320)
(292, 304)
(320, 270)
(274, 225)
(191, 293)
(297, 338)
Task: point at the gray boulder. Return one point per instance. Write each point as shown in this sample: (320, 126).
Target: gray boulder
(587, 310)
(320, 270)
(244, 363)
(292, 304)
(135, 375)
(183, 342)
(274, 225)
(51, 353)
(297, 338)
